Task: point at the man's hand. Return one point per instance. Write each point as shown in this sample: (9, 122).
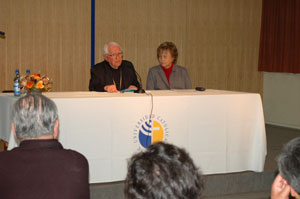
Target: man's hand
(280, 188)
(132, 87)
(111, 88)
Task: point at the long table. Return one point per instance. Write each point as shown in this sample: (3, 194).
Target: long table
(223, 131)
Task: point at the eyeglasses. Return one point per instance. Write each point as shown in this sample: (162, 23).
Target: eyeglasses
(115, 55)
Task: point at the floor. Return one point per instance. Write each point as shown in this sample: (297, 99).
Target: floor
(276, 138)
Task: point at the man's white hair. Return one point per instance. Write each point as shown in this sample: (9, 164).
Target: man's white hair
(112, 43)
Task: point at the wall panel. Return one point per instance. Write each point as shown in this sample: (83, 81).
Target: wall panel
(223, 38)
(217, 39)
(49, 37)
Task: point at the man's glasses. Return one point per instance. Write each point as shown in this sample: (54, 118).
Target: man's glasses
(115, 55)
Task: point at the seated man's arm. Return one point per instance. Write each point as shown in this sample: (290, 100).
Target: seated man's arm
(95, 81)
(78, 177)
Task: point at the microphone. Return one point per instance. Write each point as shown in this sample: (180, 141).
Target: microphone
(140, 90)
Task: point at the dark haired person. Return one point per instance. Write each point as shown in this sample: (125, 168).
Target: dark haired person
(163, 171)
(40, 168)
(287, 181)
(113, 74)
(168, 75)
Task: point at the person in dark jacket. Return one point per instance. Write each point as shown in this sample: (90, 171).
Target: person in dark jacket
(113, 74)
(40, 167)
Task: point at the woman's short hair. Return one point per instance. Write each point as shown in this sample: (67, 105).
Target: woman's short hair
(170, 46)
(163, 171)
(34, 115)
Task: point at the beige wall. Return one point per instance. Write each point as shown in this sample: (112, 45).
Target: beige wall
(282, 99)
(50, 37)
(217, 39)
(223, 43)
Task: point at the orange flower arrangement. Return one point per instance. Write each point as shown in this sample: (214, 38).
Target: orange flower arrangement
(35, 83)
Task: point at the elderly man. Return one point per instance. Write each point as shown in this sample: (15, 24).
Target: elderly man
(113, 74)
(163, 171)
(287, 181)
(40, 167)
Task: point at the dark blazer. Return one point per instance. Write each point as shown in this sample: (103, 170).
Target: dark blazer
(43, 169)
(157, 80)
(101, 76)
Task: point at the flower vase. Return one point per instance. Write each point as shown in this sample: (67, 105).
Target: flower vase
(33, 91)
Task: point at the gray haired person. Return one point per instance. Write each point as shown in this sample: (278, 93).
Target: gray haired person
(40, 167)
(287, 181)
(113, 74)
(35, 116)
(112, 43)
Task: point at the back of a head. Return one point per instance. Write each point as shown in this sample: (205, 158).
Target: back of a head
(163, 171)
(289, 163)
(34, 115)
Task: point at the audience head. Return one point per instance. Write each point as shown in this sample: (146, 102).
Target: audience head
(163, 171)
(113, 54)
(34, 116)
(167, 54)
(289, 164)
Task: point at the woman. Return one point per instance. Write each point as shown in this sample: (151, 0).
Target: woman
(168, 75)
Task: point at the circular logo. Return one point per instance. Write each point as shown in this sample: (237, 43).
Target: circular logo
(150, 130)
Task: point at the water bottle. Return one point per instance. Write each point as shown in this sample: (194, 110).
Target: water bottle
(27, 72)
(17, 90)
(27, 78)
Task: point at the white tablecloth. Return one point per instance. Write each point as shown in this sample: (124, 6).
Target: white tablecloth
(223, 131)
